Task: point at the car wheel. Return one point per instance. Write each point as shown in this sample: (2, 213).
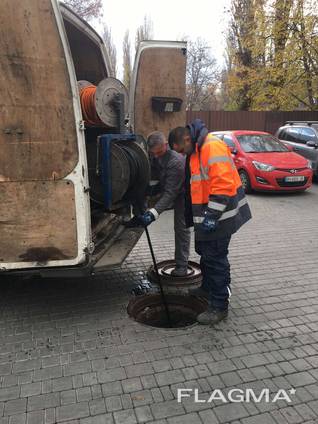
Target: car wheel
(246, 182)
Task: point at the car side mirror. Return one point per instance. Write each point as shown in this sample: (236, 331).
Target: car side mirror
(234, 151)
(312, 143)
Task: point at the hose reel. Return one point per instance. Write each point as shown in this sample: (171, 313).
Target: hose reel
(119, 171)
(100, 104)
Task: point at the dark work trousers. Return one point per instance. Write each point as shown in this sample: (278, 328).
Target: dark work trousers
(215, 267)
(182, 235)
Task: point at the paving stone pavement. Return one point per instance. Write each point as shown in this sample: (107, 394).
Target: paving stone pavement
(69, 353)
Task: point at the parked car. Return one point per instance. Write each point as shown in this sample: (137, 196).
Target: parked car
(265, 163)
(303, 137)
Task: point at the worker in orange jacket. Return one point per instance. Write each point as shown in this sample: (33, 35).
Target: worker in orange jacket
(217, 206)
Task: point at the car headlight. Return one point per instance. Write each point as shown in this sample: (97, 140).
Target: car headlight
(263, 166)
(310, 165)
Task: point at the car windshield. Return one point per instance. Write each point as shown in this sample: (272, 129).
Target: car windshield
(260, 143)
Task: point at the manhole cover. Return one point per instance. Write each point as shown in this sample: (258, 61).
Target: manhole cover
(149, 310)
(191, 280)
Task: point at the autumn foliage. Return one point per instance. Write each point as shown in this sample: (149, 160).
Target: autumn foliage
(272, 55)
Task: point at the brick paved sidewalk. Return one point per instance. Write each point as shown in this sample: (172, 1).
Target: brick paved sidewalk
(69, 353)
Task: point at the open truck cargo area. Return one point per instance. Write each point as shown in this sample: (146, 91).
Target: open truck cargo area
(70, 174)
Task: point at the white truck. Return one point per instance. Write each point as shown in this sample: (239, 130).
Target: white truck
(67, 184)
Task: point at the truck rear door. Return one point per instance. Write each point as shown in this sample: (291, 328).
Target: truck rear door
(157, 102)
(44, 209)
(157, 93)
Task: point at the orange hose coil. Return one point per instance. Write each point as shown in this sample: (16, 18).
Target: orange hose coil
(87, 98)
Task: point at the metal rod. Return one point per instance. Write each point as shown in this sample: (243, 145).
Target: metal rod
(159, 279)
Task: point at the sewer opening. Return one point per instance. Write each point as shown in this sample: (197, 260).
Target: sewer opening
(149, 310)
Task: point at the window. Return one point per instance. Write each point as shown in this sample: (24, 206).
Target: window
(260, 143)
(229, 141)
(308, 134)
(293, 134)
(282, 135)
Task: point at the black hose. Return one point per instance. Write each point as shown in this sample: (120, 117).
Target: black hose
(163, 297)
(136, 165)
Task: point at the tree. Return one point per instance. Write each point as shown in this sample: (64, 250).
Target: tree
(304, 29)
(203, 76)
(126, 60)
(86, 9)
(240, 41)
(272, 55)
(144, 31)
(111, 49)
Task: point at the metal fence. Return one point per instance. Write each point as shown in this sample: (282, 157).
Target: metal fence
(257, 121)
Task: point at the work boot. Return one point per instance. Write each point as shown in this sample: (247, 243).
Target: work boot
(179, 271)
(211, 316)
(199, 292)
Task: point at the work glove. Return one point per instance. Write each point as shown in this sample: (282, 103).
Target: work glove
(209, 223)
(132, 223)
(147, 218)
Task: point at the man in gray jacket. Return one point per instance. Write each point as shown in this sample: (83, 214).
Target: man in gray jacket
(169, 167)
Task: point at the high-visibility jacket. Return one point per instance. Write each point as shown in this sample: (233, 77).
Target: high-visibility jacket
(216, 188)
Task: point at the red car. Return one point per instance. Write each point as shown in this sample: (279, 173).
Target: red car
(265, 163)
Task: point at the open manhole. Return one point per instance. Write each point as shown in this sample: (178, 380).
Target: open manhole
(149, 310)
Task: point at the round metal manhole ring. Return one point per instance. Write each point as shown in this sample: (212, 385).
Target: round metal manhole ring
(166, 270)
(193, 278)
(149, 310)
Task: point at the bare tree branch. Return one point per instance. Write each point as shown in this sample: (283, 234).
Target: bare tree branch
(86, 9)
(126, 60)
(203, 75)
(111, 48)
(144, 31)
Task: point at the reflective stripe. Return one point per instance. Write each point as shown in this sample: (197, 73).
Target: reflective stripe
(204, 176)
(204, 171)
(224, 159)
(198, 219)
(216, 206)
(225, 215)
(233, 212)
(153, 182)
(217, 159)
(154, 212)
(229, 290)
(199, 177)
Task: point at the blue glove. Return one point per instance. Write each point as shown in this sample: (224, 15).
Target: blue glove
(209, 224)
(147, 218)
